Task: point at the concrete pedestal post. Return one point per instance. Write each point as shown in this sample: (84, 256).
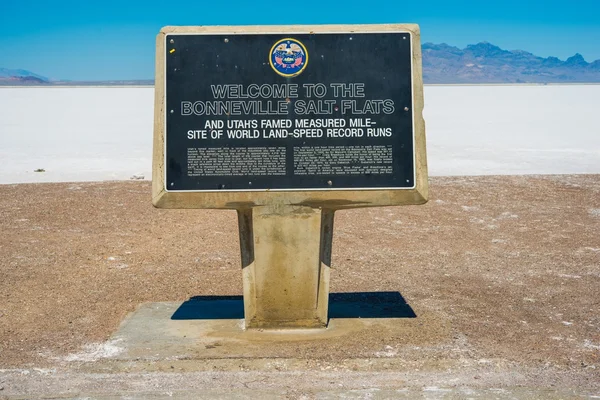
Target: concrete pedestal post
(286, 254)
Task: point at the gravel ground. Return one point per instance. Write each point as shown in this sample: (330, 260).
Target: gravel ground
(502, 272)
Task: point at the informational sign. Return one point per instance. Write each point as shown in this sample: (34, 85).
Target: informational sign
(307, 111)
(286, 125)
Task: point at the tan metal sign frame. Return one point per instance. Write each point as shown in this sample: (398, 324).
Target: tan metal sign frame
(333, 199)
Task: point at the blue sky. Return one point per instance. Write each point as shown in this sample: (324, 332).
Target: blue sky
(109, 39)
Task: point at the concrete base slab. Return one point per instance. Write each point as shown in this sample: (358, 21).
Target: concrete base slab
(375, 346)
(214, 329)
(189, 350)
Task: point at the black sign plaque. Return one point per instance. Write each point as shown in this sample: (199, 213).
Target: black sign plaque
(322, 111)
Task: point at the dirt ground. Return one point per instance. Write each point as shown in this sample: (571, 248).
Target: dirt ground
(501, 270)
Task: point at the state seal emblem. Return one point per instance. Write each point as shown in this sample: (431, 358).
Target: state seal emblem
(288, 57)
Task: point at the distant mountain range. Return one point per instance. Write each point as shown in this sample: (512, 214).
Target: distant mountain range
(486, 63)
(442, 64)
(21, 76)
